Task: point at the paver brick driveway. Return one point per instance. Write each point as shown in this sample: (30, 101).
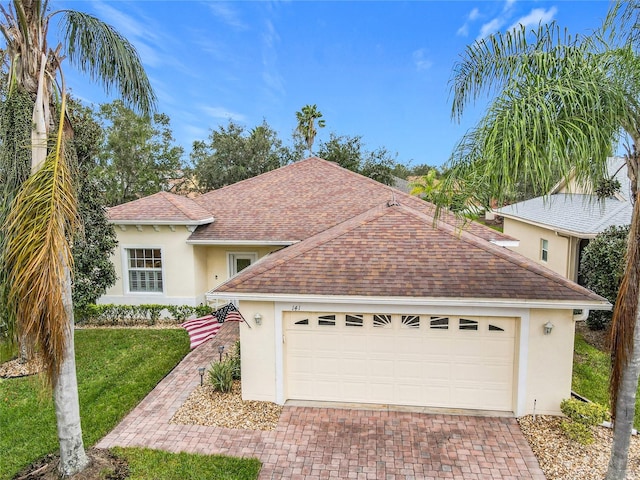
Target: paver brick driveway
(315, 443)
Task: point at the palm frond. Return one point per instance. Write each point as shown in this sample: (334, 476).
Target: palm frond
(37, 255)
(99, 50)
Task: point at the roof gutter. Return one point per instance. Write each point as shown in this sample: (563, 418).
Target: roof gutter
(190, 223)
(283, 243)
(416, 301)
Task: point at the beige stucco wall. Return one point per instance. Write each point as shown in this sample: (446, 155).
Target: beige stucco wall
(189, 271)
(550, 361)
(547, 359)
(257, 345)
(561, 249)
(217, 260)
(178, 266)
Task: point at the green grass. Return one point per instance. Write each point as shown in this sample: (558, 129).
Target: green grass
(591, 375)
(145, 464)
(116, 369)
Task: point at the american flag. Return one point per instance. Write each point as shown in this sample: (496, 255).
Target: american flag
(201, 329)
(228, 313)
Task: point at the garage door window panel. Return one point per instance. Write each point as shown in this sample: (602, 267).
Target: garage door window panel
(439, 323)
(466, 324)
(382, 321)
(354, 320)
(327, 320)
(410, 321)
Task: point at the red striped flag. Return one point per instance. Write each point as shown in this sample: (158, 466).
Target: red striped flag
(201, 329)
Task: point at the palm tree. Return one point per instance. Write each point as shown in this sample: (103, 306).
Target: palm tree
(306, 124)
(37, 229)
(561, 104)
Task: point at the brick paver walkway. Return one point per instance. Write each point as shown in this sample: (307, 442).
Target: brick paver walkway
(318, 443)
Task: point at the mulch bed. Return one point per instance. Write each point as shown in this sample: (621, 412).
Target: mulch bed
(103, 465)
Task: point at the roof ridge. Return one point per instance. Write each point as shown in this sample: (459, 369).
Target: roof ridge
(505, 254)
(172, 198)
(623, 204)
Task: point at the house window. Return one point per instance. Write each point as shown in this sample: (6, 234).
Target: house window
(144, 266)
(544, 249)
(240, 261)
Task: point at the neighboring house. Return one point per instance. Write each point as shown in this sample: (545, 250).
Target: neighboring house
(352, 293)
(554, 229)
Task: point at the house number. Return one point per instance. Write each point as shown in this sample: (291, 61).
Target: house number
(295, 308)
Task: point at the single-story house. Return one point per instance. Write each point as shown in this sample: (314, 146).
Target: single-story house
(354, 294)
(554, 229)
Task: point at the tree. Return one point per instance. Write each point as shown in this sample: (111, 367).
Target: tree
(232, 154)
(307, 117)
(93, 271)
(561, 103)
(36, 235)
(349, 152)
(601, 269)
(138, 157)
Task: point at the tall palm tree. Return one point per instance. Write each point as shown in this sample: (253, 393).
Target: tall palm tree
(561, 104)
(307, 117)
(36, 233)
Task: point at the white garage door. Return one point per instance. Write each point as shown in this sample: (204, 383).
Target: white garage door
(425, 360)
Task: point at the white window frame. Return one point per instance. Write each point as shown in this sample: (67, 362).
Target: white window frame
(233, 256)
(125, 269)
(544, 250)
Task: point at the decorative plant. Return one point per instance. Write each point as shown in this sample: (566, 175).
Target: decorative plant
(582, 418)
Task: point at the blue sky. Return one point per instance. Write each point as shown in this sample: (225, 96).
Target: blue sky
(376, 69)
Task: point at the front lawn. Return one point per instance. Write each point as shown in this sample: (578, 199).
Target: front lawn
(116, 370)
(145, 464)
(591, 375)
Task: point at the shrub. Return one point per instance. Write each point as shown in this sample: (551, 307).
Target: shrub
(582, 418)
(234, 359)
(180, 312)
(601, 269)
(202, 310)
(221, 375)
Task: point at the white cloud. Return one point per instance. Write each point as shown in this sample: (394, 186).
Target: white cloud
(508, 4)
(463, 31)
(270, 74)
(490, 27)
(420, 60)
(535, 17)
(221, 112)
(227, 14)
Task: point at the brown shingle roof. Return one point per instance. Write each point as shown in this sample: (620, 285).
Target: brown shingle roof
(397, 252)
(161, 207)
(300, 200)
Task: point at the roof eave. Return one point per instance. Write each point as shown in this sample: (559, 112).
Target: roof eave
(189, 223)
(415, 301)
(283, 243)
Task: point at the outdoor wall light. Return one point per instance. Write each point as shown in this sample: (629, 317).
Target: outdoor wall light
(201, 372)
(220, 350)
(258, 319)
(548, 327)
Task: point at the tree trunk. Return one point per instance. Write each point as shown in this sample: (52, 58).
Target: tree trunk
(73, 458)
(625, 412)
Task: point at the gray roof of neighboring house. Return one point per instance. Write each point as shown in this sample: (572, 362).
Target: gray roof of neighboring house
(581, 215)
